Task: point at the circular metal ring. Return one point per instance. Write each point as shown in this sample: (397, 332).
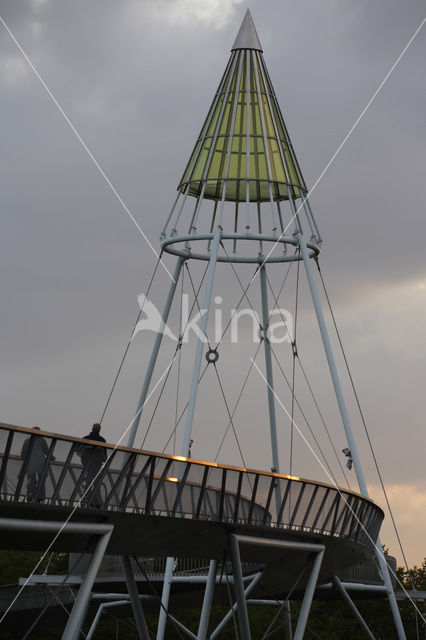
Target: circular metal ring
(212, 355)
(172, 245)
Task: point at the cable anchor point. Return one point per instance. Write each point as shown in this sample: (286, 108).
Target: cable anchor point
(212, 356)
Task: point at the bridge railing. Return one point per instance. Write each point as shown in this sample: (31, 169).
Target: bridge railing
(142, 482)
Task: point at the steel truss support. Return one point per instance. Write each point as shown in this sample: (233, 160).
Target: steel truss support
(183, 628)
(76, 619)
(347, 426)
(207, 602)
(102, 606)
(239, 587)
(285, 604)
(118, 600)
(317, 553)
(356, 586)
(165, 596)
(287, 620)
(211, 579)
(228, 616)
(121, 596)
(341, 589)
(309, 594)
(134, 598)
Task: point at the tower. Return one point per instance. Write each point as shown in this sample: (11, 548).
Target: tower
(242, 199)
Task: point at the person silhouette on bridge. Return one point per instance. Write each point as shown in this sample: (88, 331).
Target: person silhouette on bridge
(92, 458)
(38, 455)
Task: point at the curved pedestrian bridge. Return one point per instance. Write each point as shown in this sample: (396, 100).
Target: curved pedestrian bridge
(140, 482)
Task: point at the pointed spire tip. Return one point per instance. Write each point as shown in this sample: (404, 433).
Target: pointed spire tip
(247, 37)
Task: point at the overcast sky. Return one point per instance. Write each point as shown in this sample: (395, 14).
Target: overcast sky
(136, 78)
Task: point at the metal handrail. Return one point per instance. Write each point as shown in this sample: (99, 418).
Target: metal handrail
(142, 482)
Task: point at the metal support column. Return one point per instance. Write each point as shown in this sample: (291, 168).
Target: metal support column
(287, 620)
(340, 588)
(76, 619)
(165, 596)
(207, 602)
(182, 627)
(268, 365)
(134, 598)
(239, 588)
(285, 604)
(102, 606)
(347, 426)
(200, 345)
(315, 550)
(228, 616)
(154, 354)
(309, 594)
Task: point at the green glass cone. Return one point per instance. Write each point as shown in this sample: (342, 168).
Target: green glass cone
(244, 152)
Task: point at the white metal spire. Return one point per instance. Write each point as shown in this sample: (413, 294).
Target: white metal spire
(247, 37)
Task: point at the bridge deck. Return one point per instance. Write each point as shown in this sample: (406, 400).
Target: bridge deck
(161, 504)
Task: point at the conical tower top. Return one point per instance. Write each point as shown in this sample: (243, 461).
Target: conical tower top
(247, 37)
(244, 151)
(243, 155)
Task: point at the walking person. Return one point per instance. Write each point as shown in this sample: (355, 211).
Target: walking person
(93, 458)
(36, 486)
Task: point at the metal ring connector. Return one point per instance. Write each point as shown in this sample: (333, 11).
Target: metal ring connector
(212, 355)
